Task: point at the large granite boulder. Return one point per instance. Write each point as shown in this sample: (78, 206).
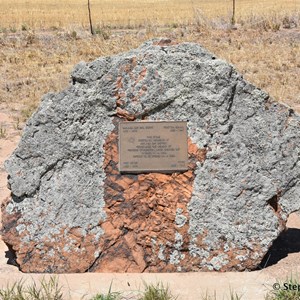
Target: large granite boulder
(72, 211)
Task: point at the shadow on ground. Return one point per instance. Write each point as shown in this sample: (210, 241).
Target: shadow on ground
(287, 242)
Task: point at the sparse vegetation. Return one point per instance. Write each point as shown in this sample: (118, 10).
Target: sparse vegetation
(157, 292)
(232, 296)
(51, 290)
(109, 296)
(2, 131)
(45, 290)
(288, 289)
(151, 292)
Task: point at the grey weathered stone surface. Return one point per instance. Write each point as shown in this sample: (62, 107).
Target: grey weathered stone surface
(242, 190)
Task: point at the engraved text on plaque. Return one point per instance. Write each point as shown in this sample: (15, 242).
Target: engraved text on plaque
(157, 146)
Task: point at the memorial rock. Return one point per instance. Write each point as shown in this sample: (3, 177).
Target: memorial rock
(71, 210)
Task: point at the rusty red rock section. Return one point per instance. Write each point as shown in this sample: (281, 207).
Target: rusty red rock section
(141, 212)
(33, 259)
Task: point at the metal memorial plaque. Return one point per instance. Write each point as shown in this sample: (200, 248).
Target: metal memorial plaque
(157, 146)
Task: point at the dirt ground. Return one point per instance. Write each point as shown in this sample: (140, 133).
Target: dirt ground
(282, 260)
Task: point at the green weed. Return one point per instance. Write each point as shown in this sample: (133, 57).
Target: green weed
(156, 292)
(14, 292)
(46, 290)
(232, 296)
(3, 132)
(24, 27)
(109, 296)
(285, 290)
(101, 31)
(28, 111)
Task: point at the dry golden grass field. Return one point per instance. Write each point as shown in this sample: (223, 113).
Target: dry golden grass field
(133, 13)
(40, 41)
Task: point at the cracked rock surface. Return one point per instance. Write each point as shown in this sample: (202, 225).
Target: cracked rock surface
(71, 210)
